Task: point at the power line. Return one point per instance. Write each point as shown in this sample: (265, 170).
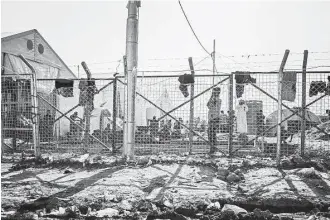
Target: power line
(193, 29)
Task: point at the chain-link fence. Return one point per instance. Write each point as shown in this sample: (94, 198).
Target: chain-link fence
(234, 113)
(260, 92)
(17, 118)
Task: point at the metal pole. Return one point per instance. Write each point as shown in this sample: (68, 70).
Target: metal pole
(114, 114)
(191, 118)
(213, 60)
(303, 105)
(231, 115)
(279, 106)
(87, 109)
(125, 108)
(132, 56)
(35, 126)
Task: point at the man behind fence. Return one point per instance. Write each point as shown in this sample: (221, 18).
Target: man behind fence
(214, 106)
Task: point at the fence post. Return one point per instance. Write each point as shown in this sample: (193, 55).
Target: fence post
(35, 107)
(303, 105)
(279, 107)
(114, 114)
(87, 110)
(191, 118)
(231, 114)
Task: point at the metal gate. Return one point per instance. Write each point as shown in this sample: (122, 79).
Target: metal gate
(19, 119)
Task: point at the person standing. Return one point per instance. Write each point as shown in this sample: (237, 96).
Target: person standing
(260, 123)
(242, 109)
(214, 106)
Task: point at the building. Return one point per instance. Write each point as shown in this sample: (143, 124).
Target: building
(16, 105)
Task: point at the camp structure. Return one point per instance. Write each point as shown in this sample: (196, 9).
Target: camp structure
(293, 123)
(17, 105)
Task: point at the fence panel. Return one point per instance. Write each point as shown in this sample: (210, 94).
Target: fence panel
(16, 113)
(78, 119)
(158, 131)
(261, 99)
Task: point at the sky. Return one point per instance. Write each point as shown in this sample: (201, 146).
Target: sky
(249, 35)
(95, 31)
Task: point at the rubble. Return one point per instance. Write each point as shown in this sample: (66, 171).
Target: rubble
(108, 212)
(233, 208)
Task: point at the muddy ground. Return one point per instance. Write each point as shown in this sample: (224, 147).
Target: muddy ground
(63, 186)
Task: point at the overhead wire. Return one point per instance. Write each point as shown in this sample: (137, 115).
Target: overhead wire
(193, 29)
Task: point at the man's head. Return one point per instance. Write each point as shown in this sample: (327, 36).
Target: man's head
(48, 112)
(222, 112)
(216, 91)
(75, 113)
(154, 118)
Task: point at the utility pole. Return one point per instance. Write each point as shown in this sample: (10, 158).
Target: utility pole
(213, 56)
(132, 57)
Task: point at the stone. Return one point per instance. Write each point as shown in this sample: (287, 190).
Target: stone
(214, 206)
(297, 160)
(286, 162)
(234, 208)
(67, 171)
(238, 172)
(228, 214)
(108, 212)
(258, 213)
(125, 205)
(232, 177)
(223, 172)
(168, 204)
(308, 172)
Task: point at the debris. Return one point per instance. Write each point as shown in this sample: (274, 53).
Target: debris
(286, 162)
(66, 171)
(168, 204)
(108, 212)
(234, 208)
(215, 206)
(259, 214)
(308, 172)
(313, 217)
(297, 160)
(126, 205)
(232, 177)
(83, 158)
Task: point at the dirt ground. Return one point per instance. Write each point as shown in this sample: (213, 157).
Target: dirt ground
(163, 186)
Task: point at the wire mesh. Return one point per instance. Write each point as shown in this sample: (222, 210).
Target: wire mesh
(77, 118)
(16, 113)
(90, 116)
(260, 98)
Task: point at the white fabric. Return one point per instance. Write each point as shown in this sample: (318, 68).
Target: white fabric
(241, 118)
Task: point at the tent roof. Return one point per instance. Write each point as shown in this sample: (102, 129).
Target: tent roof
(7, 36)
(310, 116)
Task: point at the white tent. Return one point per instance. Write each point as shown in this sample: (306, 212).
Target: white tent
(165, 103)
